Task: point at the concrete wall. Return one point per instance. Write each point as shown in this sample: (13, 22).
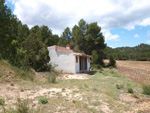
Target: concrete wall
(64, 61)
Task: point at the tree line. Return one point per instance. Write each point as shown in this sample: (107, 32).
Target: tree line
(139, 53)
(86, 38)
(25, 48)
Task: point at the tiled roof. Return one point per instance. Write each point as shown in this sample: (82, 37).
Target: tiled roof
(63, 49)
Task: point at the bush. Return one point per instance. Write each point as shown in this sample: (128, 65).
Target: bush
(2, 101)
(135, 96)
(52, 77)
(130, 90)
(43, 100)
(112, 61)
(121, 86)
(146, 89)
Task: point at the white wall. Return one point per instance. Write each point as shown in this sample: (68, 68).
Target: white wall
(65, 61)
(88, 64)
(77, 65)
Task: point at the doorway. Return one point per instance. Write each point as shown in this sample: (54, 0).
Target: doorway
(83, 63)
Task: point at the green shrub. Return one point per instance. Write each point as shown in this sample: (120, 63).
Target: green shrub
(112, 61)
(86, 85)
(130, 90)
(135, 96)
(146, 89)
(12, 84)
(43, 100)
(52, 77)
(2, 101)
(119, 86)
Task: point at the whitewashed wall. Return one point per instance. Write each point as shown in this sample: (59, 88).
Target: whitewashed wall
(64, 61)
(77, 65)
(88, 64)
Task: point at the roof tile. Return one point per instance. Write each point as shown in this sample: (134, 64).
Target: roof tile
(63, 49)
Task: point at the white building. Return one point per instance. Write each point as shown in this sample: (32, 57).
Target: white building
(68, 61)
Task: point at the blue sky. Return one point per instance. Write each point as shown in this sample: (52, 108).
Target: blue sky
(123, 22)
(130, 37)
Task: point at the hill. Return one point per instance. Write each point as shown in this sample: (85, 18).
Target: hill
(140, 53)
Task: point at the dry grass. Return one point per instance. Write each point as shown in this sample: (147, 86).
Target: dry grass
(88, 94)
(136, 70)
(98, 93)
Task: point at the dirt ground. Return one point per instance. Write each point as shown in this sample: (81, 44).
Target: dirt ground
(136, 70)
(83, 92)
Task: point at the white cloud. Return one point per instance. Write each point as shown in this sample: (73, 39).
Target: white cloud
(145, 22)
(109, 36)
(59, 14)
(136, 35)
(148, 41)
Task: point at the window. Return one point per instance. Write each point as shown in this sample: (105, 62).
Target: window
(76, 59)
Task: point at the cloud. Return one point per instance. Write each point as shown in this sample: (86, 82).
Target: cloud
(136, 35)
(59, 14)
(148, 41)
(145, 22)
(148, 34)
(109, 36)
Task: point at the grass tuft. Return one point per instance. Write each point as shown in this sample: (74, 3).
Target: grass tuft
(43, 100)
(130, 90)
(146, 89)
(22, 106)
(119, 86)
(2, 101)
(52, 77)
(135, 96)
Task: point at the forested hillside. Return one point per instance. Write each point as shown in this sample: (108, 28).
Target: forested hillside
(25, 48)
(140, 53)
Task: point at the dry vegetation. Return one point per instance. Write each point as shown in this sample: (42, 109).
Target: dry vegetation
(105, 91)
(136, 70)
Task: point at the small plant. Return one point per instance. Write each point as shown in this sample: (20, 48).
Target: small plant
(130, 90)
(146, 89)
(52, 78)
(12, 84)
(22, 106)
(119, 86)
(94, 89)
(128, 85)
(63, 89)
(43, 100)
(86, 86)
(135, 96)
(2, 101)
(22, 90)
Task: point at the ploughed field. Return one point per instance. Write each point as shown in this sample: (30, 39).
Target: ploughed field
(136, 70)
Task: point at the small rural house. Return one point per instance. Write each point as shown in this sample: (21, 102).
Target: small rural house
(68, 61)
